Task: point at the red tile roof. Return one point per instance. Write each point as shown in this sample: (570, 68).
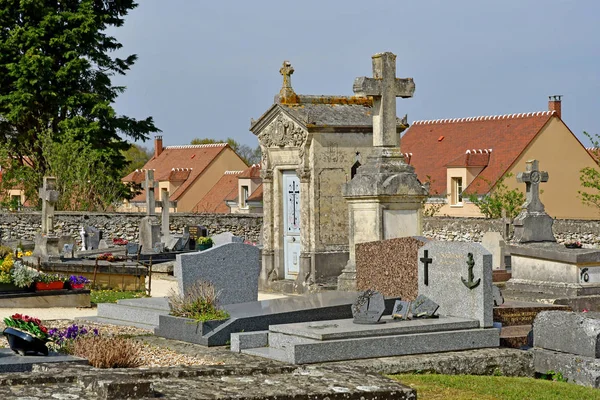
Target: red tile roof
(257, 195)
(252, 171)
(434, 145)
(224, 189)
(196, 158)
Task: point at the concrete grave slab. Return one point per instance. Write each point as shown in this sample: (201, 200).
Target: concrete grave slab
(458, 277)
(568, 332)
(226, 237)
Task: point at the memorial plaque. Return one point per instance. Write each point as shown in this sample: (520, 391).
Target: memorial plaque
(197, 231)
(368, 307)
(424, 307)
(401, 309)
(132, 248)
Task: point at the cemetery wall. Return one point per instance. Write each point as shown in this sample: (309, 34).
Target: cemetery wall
(24, 225)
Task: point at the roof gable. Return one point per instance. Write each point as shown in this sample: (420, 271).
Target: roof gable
(435, 145)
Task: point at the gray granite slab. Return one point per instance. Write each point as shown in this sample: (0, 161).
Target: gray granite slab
(249, 340)
(368, 307)
(556, 252)
(232, 268)
(226, 237)
(569, 332)
(11, 362)
(387, 346)
(583, 371)
(346, 329)
(461, 284)
(258, 315)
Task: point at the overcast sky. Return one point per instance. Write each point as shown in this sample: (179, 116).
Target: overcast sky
(206, 67)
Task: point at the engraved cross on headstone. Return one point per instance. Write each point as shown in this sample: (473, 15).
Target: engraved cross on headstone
(49, 196)
(426, 260)
(384, 87)
(532, 178)
(150, 185)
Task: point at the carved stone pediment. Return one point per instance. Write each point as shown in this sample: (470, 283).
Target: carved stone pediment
(282, 132)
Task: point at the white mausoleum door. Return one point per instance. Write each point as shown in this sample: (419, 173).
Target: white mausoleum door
(291, 224)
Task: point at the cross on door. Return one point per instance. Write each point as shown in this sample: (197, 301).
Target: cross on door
(384, 87)
(426, 261)
(294, 209)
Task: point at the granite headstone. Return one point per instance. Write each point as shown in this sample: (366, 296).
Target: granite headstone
(232, 268)
(459, 279)
(368, 307)
(389, 266)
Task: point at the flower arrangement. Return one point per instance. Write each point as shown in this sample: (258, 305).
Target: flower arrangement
(63, 336)
(110, 257)
(27, 253)
(78, 280)
(203, 240)
(23, 276)
(48, 278)
(120, 241)
(28, 324)
(7, 263)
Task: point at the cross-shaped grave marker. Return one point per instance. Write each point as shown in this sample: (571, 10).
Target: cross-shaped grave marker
(49, 196)
(384, 87)
(150, 185)
(165, 204)
(532, 178)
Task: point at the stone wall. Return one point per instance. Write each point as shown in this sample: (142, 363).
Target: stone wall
(24, 225)
(472, 229)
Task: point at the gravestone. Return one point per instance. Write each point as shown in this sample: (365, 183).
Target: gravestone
(102, 245)
(149, 225)
(401, 309)
(423, 307)
(132, 248)
(185, 242)
(46, 243)
(368, 307)
(194, 232)
(494, 243)
(533, 224)
(459, 279)
(389, 266)
(165, 208)
(174, 243)
(92, 238)
(226, 237)
(232, 268)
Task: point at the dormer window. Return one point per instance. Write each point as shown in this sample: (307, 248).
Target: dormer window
(456, 191)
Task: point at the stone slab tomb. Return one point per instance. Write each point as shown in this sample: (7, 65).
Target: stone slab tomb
(568, 343)
(457, 277)
(389, 266)
(232, 268)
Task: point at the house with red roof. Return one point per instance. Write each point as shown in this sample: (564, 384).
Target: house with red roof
(464, 156)
(237, 192)
(188, 172)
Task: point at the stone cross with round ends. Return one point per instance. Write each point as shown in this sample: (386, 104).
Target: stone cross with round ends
(384, 87)
(532, 178)
(287, 70)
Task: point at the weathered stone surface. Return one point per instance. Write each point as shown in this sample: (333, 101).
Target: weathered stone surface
(11, 362)
(389, 266)
(494, 243)
(460, 288)
(568, 332)
(577, 369)
(232, 268)
(226, 237)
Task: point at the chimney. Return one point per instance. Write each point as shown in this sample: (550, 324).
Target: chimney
(158, 147)
(554, 104)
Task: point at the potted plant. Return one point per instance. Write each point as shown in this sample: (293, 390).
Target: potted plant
(49, 282)
(78, 282)
(26, 334)
(23, 276)
(203, 243)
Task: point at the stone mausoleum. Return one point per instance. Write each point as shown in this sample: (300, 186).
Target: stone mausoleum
(311, 146)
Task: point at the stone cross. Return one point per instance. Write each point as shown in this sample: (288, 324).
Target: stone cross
(287, 93)
(532, 178)
(49, 196)
(150, 185)
(165, 204)
(384, 87)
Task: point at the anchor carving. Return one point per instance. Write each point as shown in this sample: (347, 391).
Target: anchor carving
(470, 283)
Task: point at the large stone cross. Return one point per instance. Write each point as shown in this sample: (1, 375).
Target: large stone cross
(49, 196)
(165, 204)
(384, 87)
(532, 177)
(150, 185)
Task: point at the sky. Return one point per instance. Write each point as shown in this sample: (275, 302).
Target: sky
(206, 68)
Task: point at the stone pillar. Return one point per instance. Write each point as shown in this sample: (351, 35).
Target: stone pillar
(268, 272)
(306, 271)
